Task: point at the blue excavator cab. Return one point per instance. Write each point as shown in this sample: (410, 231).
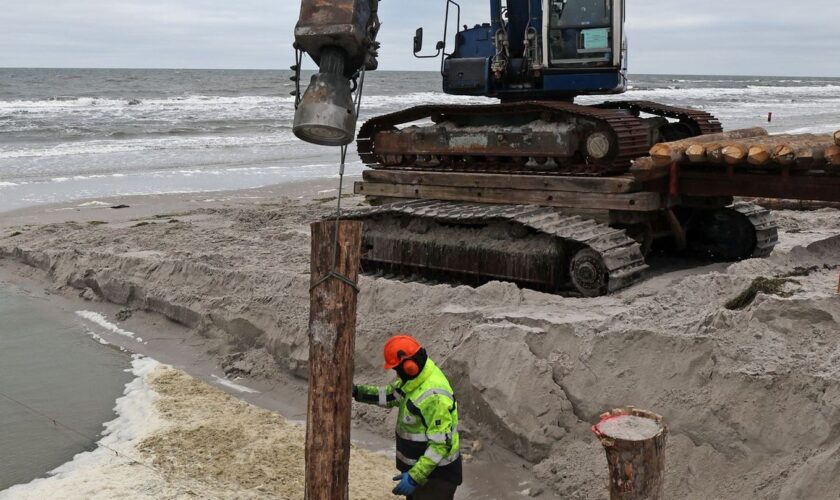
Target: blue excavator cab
(536, 49)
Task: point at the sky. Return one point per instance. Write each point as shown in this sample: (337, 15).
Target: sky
(743, 37)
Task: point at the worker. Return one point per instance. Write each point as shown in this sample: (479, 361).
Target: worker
(428, 446)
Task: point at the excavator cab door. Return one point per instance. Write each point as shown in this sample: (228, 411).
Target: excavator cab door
(582, 34)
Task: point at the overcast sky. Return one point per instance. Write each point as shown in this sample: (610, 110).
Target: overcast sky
(754, 37)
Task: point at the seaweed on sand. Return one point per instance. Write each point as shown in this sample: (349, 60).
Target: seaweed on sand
(767, 286)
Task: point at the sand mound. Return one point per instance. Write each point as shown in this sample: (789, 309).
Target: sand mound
(751, 396)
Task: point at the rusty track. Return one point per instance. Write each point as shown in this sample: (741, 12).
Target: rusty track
(703, 123)
(629, 137)
(536, 247)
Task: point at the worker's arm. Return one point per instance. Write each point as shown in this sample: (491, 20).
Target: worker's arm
(439, 430)
(386, 397)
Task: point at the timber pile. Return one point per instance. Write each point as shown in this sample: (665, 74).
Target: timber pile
(663, 154)
(749, 148)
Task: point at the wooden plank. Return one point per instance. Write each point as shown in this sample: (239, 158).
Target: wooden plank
(636, 202)
(332, 338)
(616, 184)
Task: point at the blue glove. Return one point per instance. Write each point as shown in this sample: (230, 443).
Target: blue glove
(406, 487)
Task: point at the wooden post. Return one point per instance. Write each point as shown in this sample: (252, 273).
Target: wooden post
(635, 444)
(332, 332)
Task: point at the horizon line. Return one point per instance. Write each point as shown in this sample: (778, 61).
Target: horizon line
(382, 71)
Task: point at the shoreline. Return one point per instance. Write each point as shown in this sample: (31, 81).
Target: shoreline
(177, 437)
(206, 357)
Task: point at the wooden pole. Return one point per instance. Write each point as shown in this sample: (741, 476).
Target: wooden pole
(332, 332)
(634, 441)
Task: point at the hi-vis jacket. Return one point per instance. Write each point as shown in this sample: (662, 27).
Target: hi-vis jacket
(428, 445)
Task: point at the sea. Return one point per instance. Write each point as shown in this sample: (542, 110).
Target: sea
(69, 134)
(58, 384)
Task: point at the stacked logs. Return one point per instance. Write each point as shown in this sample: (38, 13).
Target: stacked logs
(751, 147)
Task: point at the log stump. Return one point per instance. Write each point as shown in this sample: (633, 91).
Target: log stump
(634, 441)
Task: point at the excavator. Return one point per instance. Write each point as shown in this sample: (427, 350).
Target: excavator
(534, 189)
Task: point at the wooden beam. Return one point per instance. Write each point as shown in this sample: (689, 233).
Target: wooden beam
(636, 202)
(616, 184)
(332, 332)
(769, 185)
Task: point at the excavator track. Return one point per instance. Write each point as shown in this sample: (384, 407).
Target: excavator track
(490, 149)
(764, 224)
(740, 231)
(700, 122)
(536, 247)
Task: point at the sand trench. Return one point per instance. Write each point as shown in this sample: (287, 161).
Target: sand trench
(750, 396)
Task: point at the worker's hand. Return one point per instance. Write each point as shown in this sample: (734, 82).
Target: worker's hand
(406, 485)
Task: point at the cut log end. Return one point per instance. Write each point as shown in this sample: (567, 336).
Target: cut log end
(734, 154)
(662, 154)
(758, 155)
(696, 153)
(630, 428)
(837, 137)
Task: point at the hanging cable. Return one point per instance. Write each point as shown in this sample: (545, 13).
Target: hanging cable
(334, 271)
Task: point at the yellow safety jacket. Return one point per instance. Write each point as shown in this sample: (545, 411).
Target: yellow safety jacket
(428, 445)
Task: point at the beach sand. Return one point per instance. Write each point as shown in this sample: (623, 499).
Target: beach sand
(750, 396)
(178, 437)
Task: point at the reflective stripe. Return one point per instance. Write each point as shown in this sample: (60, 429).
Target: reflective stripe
(447, 461)
(422, 438)
(383, 398)
(440, 461)
(432, 455)
(408, 436)
(407, 461)
(432, 392)
(442, 438)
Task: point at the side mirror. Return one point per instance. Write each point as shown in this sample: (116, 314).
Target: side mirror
(418, 41)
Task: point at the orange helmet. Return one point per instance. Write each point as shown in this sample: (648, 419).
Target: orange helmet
(398, 348)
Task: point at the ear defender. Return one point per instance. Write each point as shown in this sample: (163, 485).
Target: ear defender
(410, 368)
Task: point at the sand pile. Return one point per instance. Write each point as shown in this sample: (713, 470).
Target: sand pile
(751, 396)
(178, 437)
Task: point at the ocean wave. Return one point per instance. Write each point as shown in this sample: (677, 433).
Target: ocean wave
(155, 143)
(755, 92)
(216, 103)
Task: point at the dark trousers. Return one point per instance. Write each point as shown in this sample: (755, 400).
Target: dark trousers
(435, 489)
